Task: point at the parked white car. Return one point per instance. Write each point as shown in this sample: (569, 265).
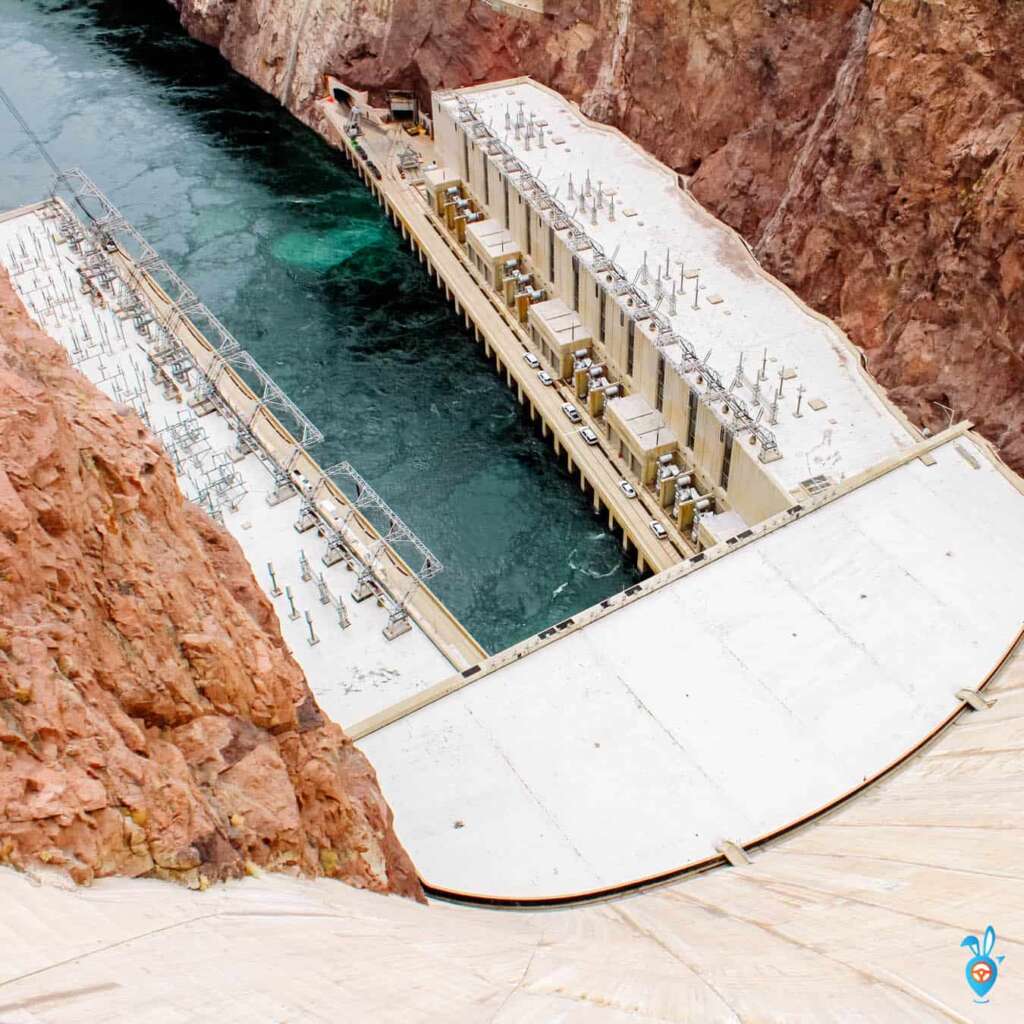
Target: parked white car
(658, 530)
(531, 360)
(588, 435)
(572, 412)
(627, 488)
(545, 378)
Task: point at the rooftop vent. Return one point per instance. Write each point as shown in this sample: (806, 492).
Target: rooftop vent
(816, 484)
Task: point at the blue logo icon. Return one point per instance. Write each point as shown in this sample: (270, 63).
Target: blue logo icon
(982, 969)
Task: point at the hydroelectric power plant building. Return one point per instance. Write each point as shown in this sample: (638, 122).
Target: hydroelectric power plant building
(756, 398)
(837, 578)
(833, 594)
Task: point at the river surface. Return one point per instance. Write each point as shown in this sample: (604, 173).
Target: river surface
(274, 231)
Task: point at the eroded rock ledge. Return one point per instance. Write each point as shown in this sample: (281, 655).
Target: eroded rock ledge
(151, 720)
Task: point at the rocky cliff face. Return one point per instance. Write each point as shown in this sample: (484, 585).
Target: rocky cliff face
(151, 720)
(872, 153)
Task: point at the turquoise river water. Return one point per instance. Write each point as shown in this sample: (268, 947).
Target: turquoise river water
(274, 231)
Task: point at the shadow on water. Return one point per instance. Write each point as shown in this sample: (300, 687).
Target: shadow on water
(196, 80)
(277, 234)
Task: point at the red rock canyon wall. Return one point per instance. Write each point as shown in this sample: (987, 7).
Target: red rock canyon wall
(151, 720)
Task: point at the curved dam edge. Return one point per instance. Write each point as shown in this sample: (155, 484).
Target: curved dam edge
(761, 844)
(861, 913)
(501, 787)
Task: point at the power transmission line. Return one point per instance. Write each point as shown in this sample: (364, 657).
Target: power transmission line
(38, 143)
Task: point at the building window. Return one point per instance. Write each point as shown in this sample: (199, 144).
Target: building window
(487, 182)
(505, 180)
(529, 240)
(465, 156)
(630, 346)
(575, 283)
(691, 426)
(603, 299)
(551, 254)
(661, 382)
(726, 457)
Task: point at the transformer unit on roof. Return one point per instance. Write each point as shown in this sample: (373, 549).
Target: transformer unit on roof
(442, 184)
(561, 335)
(492, 250)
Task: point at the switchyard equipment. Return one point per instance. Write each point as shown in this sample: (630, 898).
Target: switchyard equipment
(222, 421)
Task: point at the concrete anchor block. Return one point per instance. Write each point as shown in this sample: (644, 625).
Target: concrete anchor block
(974, 700)
(733, 853)
(332, 558)
(306, 521)
(396, 628)
(280, 495)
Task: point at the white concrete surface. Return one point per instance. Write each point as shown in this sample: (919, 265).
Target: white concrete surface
(855, 431)
(723, 705)
(353, 672)
(858, 918)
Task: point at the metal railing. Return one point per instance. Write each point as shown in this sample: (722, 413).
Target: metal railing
(111, 226)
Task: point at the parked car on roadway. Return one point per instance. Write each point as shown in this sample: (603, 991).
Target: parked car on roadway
(658, 530)
(627, 488)
(572, 412)
(531, 360)
(588, 435)
(545, 378)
